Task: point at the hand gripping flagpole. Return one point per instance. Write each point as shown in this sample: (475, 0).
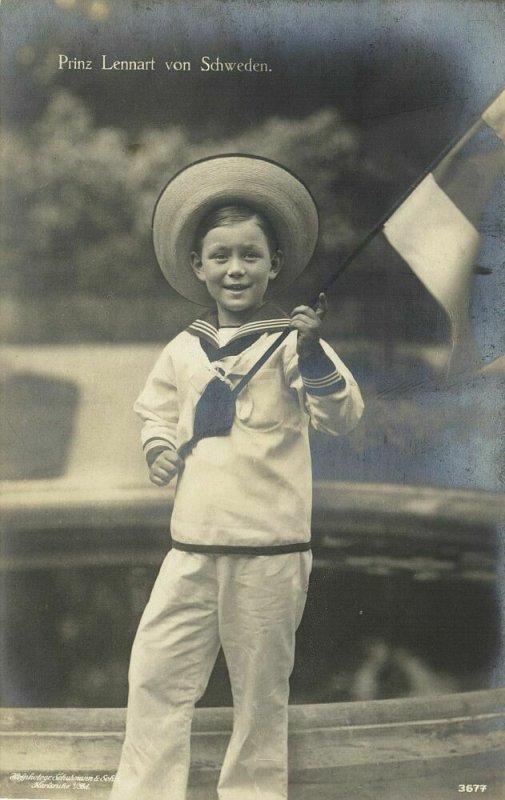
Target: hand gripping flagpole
(215, 410)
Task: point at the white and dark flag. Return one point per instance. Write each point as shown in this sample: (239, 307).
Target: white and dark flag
(435, 229)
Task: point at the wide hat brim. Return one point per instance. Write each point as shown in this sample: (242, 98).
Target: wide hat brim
(205, 185)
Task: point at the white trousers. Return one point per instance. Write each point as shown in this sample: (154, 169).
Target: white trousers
(251, 605)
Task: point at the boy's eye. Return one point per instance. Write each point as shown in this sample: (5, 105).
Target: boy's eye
(251, 255)
(219, 257)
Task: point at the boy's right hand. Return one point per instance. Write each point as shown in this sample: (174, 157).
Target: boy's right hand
(165, 467)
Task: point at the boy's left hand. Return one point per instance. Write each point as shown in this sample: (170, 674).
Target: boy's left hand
(307, 322)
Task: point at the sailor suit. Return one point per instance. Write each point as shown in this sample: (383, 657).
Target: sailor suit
(238, 571)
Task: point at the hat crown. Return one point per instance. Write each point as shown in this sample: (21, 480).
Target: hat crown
(205, 185)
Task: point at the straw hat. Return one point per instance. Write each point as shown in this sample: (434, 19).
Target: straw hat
(232, 179)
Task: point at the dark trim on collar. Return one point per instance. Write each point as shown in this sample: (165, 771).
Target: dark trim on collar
(233, 348)
(268, 318)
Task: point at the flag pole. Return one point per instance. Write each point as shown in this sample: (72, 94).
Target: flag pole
(453, 146)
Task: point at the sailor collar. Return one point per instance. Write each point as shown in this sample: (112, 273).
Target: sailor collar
(268, 318)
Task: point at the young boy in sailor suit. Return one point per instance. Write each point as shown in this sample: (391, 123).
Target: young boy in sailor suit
(226, 230)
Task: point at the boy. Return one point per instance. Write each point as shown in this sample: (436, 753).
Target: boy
(226, 230)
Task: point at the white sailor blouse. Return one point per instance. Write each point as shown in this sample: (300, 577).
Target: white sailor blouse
(250, 491)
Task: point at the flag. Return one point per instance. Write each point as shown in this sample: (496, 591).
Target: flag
(433, 226)
(435, 229)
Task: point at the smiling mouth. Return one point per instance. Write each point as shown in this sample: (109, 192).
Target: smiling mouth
(236, 287)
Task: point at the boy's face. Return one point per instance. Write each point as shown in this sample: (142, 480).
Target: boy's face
(236, 265)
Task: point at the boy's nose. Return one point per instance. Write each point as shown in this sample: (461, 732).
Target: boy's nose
(235, 267)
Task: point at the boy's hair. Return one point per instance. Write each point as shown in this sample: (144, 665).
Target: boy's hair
(230, 215)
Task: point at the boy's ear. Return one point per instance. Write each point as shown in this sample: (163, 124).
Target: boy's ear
(276, 263)
(196, 265)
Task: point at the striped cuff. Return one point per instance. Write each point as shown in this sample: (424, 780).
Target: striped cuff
(319, 374)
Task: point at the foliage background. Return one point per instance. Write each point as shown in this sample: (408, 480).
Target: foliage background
(360, 97)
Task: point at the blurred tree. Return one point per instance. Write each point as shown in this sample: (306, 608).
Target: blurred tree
(79, 199)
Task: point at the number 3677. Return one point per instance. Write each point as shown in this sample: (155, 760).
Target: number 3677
(472, 787)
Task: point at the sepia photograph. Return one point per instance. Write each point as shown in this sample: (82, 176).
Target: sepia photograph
(252, 408)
